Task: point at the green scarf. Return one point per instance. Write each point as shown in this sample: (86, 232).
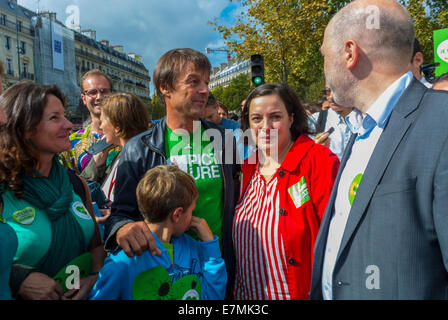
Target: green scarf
(54, 195)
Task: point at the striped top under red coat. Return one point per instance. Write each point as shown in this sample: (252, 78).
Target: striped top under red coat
(261, 260)
(298, 226)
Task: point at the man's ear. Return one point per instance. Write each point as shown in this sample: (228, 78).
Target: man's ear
(351, 54)
(83, 98)
(165, 90)
(117, 130)
(175, 215)
(418, 59)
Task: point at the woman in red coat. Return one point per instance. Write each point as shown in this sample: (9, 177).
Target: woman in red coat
(286, 185)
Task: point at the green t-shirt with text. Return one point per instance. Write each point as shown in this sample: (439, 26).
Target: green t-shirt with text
(193, 153)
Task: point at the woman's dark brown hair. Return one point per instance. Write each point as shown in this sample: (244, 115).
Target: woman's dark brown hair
(292, 104)
(23, 104)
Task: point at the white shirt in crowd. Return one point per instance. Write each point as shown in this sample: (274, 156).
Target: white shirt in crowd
(368, 130)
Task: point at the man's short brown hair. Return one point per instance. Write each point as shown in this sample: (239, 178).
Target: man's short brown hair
(163, 189)
(95, 73)
(128, 112)
(171, 64)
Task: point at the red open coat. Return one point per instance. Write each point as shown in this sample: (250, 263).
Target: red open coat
(299, 225)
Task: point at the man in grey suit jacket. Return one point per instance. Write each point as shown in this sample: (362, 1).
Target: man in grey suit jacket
(384, 234)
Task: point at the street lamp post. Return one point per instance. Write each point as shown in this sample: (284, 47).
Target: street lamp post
(18, 46)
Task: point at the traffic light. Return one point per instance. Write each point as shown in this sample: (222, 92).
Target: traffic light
(257, 68)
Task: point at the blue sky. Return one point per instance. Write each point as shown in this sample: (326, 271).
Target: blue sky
(149, 27)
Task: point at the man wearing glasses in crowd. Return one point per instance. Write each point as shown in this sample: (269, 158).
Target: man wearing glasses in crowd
(95, 86)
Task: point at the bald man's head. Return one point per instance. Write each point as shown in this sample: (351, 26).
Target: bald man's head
(382, 28)
(367, 44)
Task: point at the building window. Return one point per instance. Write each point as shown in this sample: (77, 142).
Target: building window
(3, 19)
(24, 69)
(9, 69)
(7, 42)
(22, 47)
(19, 26)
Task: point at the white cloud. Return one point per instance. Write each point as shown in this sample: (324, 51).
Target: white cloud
(216, 44)
(149, 27)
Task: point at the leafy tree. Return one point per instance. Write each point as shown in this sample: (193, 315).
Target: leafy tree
(289, 33)
(429, 15)
(157, 108)
(232, 95)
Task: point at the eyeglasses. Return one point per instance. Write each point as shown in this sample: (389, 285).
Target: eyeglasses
(94, 92)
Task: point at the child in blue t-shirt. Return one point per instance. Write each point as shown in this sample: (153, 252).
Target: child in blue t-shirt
(187, 269)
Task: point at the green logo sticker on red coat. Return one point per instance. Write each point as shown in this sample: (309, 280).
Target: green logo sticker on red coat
(299, 193)
(354, 188)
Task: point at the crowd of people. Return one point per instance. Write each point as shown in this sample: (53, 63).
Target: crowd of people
(346, 202)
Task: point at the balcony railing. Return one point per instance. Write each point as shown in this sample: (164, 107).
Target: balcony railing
(110, 63)
(93, 43)
(26, 75)
(11, 25)
(141, 85)
(22, 75)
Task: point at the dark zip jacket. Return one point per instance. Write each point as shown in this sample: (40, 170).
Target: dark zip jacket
(147, 150)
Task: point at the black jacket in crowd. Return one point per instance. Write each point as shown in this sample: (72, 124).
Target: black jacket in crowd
(147, 150)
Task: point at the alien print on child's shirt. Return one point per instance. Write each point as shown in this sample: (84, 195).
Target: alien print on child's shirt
(196, 272)
(156, 284)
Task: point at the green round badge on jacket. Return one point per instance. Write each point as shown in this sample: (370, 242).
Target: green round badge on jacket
(80, 210)
(25, 216)
(354, 188)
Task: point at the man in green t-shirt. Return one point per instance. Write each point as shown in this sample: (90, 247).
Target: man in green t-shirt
(200, 148)
(200, 162)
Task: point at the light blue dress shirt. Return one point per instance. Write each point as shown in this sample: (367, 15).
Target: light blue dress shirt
(243, 150)
(368, 130)
(341, 135)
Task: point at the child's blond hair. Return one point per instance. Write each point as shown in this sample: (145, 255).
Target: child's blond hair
(163, 189)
